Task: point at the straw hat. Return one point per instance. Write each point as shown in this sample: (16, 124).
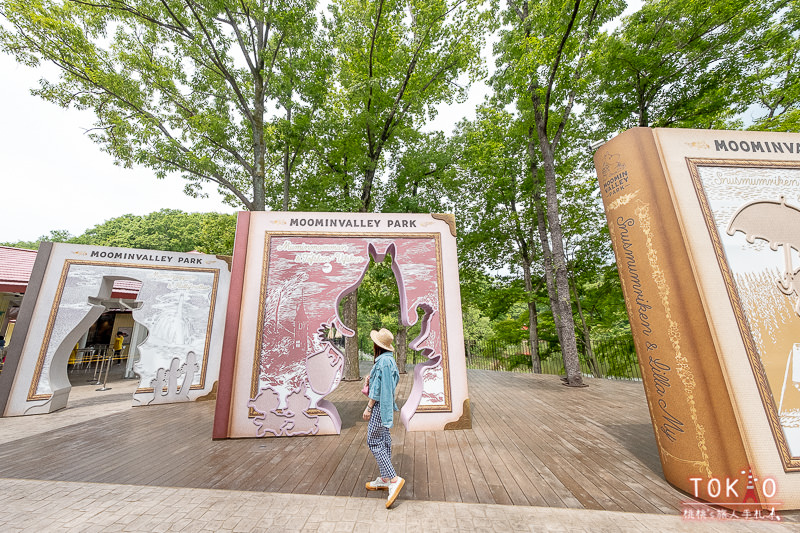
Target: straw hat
(382, 338)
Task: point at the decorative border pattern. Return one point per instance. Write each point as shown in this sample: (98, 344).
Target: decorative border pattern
(447, 407)
(682, 367)
(57, 302)
(790, 464)
(448, 218)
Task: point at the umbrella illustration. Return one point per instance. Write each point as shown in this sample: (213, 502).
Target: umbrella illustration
(778, 223)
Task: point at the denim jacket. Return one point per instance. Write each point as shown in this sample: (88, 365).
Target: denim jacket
(383, 380)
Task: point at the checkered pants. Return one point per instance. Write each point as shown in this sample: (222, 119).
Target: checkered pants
(379, 441)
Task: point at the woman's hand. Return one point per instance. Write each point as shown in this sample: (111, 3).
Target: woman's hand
(367, 413)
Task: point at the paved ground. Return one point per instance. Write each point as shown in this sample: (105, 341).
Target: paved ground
(43, 506)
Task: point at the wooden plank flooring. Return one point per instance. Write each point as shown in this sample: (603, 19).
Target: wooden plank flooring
(533, 442)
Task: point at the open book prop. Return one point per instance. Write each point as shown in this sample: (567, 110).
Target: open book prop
(291, 271)
(706, 230)
(178, 306)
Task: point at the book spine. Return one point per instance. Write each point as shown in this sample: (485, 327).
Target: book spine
(694, 422)
(222, 413)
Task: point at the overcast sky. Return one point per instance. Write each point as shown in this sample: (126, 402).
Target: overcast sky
(54, 177)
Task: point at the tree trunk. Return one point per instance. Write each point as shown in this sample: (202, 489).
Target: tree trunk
(350, 319)
(533, 334)
(286, 152)
(563, 304)
(259, 149)
(366, 190)
(541, 225)
(401, 347)
(533, 337)
(350, 303)
(596, 369)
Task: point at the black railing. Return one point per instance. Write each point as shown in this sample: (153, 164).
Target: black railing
(607, 358)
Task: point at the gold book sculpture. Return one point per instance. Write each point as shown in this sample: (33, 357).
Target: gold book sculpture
(706, 230)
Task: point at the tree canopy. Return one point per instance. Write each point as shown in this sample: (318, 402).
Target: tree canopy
(167, 229)
(296, 105)
(395, 62)
(191, 87)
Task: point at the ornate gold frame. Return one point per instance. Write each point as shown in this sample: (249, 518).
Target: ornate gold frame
(57, 302)
(790, 464)
(447, 407)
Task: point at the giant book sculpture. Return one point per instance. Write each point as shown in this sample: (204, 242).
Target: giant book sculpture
(706, 230)
(291, 272)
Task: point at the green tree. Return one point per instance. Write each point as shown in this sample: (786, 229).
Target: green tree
(217, 233)
(772, 83)
(675, 63)
(395, 61)
(167, 229)
(418, 173)
(302, 89)
(497, 215)
(181, 86)
(55, 236)
(477, 327)
(493, 295)
(542, 69)
(603, 302)
(379, 301)
(415, 185)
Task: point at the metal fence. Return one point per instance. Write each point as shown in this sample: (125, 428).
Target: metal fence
(604, 358)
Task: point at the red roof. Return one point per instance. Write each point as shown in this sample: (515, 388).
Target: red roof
(126, 289)
(16, 265)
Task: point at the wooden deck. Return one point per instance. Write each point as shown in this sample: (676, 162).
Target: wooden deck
(533, 442)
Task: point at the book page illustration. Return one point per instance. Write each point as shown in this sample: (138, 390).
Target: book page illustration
(755, 210)
(306, 279)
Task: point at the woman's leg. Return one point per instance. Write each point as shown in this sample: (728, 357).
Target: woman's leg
(380, 444)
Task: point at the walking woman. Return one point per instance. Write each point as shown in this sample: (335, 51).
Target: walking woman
(382, 383)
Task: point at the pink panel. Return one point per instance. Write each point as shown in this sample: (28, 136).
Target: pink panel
(307, 277)
(228, 359)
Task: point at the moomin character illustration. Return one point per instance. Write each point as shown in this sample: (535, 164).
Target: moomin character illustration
(300, 365)
(285, 355)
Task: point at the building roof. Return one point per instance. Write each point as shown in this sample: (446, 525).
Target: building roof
(126, 289)
(16, 265)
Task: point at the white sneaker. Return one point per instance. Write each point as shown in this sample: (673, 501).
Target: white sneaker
(378, 484)
(394, 490)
